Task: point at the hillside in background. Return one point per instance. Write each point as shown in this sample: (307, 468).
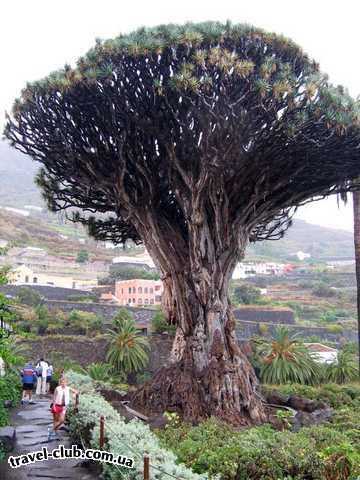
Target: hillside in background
(17, 189)
(17, 172)
(321, 243)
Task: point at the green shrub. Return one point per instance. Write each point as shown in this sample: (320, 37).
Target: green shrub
(337, 396)
(263, 329)
(10, 389)
(28, 296)
(323, 290)
(160, 325)
(261, 452)
(343, 370)
(246, 294)
(130, 439)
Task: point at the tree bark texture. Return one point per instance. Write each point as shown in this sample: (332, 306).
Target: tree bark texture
(207, 373)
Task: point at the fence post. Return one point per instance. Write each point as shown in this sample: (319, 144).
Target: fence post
(146, 467)
(76, 403)
(102, 432)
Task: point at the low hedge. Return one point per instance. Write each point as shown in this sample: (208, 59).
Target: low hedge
(315, 453)
(130, 439)
(335, 395)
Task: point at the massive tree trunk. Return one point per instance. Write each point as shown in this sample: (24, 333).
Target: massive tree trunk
(207, 373)
(356, 202)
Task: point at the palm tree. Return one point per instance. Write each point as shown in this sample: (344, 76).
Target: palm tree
(343, 370)
(284, 359)
(128, 348)
(356, 206)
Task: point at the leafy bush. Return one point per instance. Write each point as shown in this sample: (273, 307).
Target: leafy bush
(99, 371)
(28, 296)
(337, 396)
(247, 294)
(130, 439)
(82, 256)
(323, 290)
(84, 323)
(335, 329)
(261, 452)
(121, 272)
(160, 325)
(10, 389)
(343, 370)
(263, 329)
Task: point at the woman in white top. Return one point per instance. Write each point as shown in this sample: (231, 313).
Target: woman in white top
(60, 402)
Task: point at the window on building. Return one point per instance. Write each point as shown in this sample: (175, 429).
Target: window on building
(129, 289)
(122, 291)
(129, 301)
(146, 290)
(27, 279)
(35, 280)
(134, 301)
(157, 298)
(146, 301)
(140, 290)
(134, 290)
(151, 301)
(151, 290)
(157, 288)
(139, 301)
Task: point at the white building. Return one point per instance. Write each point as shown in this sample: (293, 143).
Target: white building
(250, 269)
(322, 353)
(143, 259)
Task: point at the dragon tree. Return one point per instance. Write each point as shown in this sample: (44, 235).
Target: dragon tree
(194, 140)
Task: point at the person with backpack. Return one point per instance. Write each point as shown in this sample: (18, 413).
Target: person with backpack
(41, 371)
(28, 378)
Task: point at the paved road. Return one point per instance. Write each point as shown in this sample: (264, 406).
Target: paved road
(31, 422)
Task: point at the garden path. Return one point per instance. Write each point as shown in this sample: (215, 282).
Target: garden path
(31, 424)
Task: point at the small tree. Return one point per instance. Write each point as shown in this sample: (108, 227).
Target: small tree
(82, 256)
(28, 296)
(247, 294)
(128, 348)
(159, 324)
(285, 359)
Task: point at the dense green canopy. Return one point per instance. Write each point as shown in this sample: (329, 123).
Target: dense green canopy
(239, 115)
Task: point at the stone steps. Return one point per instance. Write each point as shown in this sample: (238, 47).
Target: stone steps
(31, 422)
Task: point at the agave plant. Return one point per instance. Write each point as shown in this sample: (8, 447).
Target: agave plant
(284, 359)
(344, 369)
(128, 348)
(98, 371)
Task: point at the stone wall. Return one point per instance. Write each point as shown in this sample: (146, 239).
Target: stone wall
(85, 350)
(245, 330)
(267, 315)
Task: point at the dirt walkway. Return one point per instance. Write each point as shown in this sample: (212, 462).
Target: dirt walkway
(31, 422)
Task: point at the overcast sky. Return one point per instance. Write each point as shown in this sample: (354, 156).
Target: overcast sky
(38, 36)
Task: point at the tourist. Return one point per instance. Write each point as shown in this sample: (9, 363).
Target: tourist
(41, 371)
(28, 378)
(49, 374)
(60, 403)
